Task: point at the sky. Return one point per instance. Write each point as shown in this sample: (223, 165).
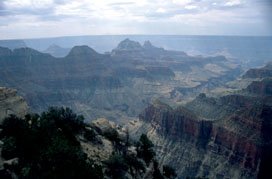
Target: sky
(20, 19)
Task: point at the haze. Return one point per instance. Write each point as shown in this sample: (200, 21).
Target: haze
(51, 18)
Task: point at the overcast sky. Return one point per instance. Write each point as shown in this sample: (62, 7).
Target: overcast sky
(51, 18)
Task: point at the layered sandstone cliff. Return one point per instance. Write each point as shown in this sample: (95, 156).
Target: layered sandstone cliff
(230, 140)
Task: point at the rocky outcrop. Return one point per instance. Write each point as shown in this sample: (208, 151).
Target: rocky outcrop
(103, 125)
(262, 88)
(11, 104)
(101, 149)
(82, 52)
(128, 45)
(148, 45)
(57, 51)
(258, 73)
(263, 72)
(129, 48)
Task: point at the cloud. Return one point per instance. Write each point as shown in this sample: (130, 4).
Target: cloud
(2, 5)
(160, 10)
(111, 8)
(182, 2)
(233, 3)
(119, 16)
(190, 7)
(121, 3)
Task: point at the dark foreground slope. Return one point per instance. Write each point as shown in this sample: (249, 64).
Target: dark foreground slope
(224, 137)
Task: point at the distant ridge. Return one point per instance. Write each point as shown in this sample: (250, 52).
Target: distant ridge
(12, 44)
(57, 51)
(82, 51)
(128, 44)
(248, 51)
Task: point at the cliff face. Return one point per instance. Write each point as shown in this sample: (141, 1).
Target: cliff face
(233, 147)
(263, 72)
(263, 87)
(11, 104)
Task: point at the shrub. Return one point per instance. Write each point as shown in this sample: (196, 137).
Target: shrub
(157, 173)
(112, 135)
(117, 166)
(90, 135)
(134, 162)
(145, 149)
(169, 172)
(9, 149)
(47, 147)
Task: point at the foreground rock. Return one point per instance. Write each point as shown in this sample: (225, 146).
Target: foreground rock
(11, 104)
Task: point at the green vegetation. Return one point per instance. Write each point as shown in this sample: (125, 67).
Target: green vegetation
(169, 172)
(145, 149)
(91, 136)
(117, 166)
(113, 136)
(157, 173)
(134, 163)
(46, 146)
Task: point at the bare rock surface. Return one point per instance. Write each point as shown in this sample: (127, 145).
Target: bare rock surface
(11, 104)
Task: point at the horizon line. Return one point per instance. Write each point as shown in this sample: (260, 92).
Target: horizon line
(97, 35)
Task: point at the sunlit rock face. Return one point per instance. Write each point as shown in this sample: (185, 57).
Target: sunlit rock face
(10, 103)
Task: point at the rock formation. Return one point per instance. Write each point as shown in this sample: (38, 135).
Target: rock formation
(263, 72)
(11, 104)
(57, 51)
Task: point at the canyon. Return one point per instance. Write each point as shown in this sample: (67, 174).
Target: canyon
(205, 116)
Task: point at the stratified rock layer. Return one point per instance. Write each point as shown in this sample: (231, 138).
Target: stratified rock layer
(235, 144)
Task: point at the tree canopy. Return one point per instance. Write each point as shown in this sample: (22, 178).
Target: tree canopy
(46, 146)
